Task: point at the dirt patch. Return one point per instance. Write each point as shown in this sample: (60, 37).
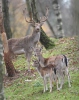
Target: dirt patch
(9, 80)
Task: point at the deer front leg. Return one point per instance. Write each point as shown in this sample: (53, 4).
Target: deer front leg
(57, 82)
(28, 64)
(28, 57)
(46, 85)
(50, 79)
(44, 79)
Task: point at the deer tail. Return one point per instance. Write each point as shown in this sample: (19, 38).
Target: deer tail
(65, 60)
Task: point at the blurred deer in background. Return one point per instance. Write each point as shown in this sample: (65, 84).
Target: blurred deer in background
(23, 45)
(59, 63)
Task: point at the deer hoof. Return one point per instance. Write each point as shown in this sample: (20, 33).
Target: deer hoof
(59, 89)
(50, 91)
(69, 86)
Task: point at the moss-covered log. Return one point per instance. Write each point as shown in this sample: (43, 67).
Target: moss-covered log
(45, 40)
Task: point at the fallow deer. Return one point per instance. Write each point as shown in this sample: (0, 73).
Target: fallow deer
(23, 45)
(60, 63)
(45, 72)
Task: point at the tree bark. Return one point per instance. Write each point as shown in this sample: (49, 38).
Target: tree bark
(1, 52)
(44, 39)
(51, 28)
(1, 73)
(8, 62)
(9, 65)
(29, 9)
(56, 8)
(6, 18)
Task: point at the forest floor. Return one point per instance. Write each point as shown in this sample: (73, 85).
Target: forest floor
(25, 87)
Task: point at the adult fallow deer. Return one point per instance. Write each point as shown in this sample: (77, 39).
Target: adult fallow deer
(59, 63)
(23, 45)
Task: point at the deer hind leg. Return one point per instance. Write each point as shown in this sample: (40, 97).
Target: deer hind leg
(68, 75)
(61, 79)
(62, 82)
(57, 82)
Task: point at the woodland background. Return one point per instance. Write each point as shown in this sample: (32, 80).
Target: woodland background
(69, 11)
(16, 88)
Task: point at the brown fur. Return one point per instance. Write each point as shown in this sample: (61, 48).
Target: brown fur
(45, 72)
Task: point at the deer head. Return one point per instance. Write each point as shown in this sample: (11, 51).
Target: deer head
(35, 63)
(37, 50)
(38, 25)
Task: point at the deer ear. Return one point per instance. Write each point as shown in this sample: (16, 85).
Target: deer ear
(39, 60)
(41, 23)
(42, 47)
(32, 60)
(32, 48)
(33, 24)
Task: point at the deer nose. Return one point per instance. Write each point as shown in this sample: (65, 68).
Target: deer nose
(37, 29)
(35, 55)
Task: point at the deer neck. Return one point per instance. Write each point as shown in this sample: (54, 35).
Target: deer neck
(41, 60)
(35, 36)
(40, 70)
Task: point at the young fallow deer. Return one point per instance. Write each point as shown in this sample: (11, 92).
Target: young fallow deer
(23, 45)
(45, 72)
(59, 63)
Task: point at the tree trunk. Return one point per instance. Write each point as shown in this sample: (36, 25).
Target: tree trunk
(14, 20)
(9, 65)
(1, 52)
(6, 18)
(56, 8)
(29, 9)
(51, 28)
(1, 73)
(44, 39)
